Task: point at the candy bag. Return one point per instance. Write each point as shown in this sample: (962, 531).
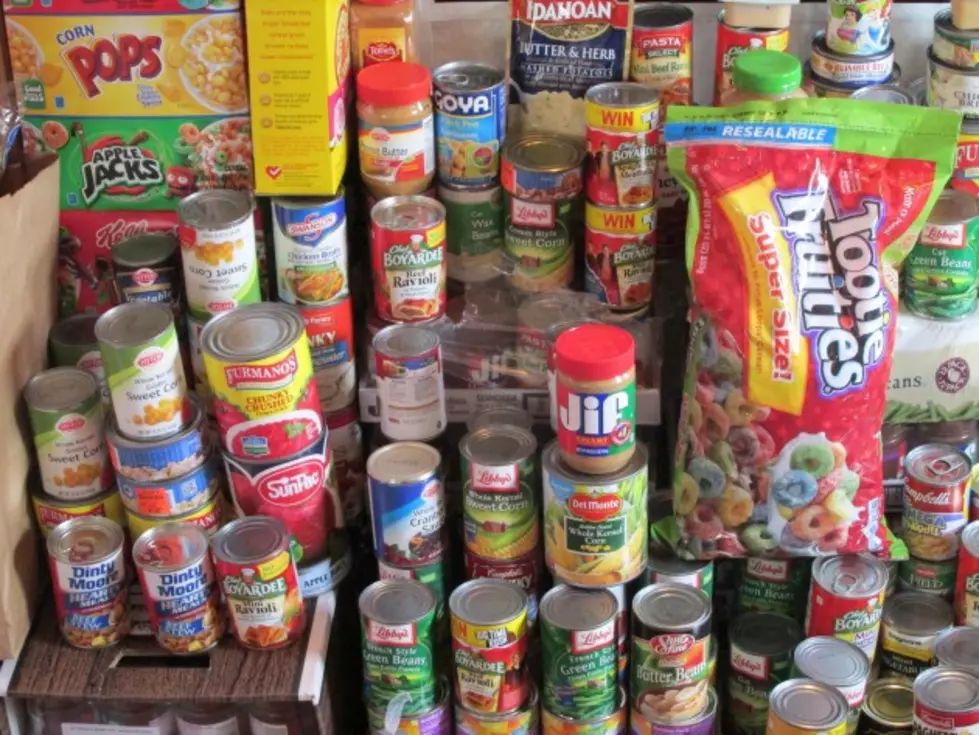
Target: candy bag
(800, 215)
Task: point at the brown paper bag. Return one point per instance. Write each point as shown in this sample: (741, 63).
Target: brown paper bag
(28, 266)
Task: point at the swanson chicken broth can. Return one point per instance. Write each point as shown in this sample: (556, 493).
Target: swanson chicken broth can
(179, 587)
(88, 572)
(65, 410)
(261, 374)
(662, 51)
(946, 702)
(51, 512)
(139, 347)
(310, 239)
(410, 382)
(73, 344)
(937, 483)
(620, 253)
(733, 41)
(219, 251)
(967, 578)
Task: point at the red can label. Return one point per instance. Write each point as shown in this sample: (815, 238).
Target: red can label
(662, 58)
(620, 267)
(936, 501)
(852, 619)
(524, 572)
(928, 721)
(732, 42)
(621, 167)
(410, 271)
(90, 599)
(967, 589)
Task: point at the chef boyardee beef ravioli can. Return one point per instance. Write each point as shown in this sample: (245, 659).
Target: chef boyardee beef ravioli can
(620, 254)
(967, 578)
(310, 238)
(838, 664)
(806, 707)
(946, 702)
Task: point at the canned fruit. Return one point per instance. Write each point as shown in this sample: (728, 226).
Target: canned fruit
(310, 237)
(662, 51)
(52, 512)
(937, 480)
(330, 331)
(173, 496)
(208, 517)
(967, 578)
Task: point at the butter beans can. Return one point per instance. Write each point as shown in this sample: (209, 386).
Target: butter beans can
(733, 41)
(909, 626)
(648, 723)
(937, 481)
(620, 254)
(310, 238)
(662, 51)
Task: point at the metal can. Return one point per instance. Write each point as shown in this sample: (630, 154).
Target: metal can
(525, 572)
(217, 246)
(846, 600)
(941, 270)
(410, 382)
(88, 572)
(699, 574)
(958, 648)
(733, 41)
(310, 239)
(436, 721)
(838, 664)
(172, 496)
(934, 577)
(909, 625)
(937, 481)
(397, 622)
(623, 594)
(524, 719)
(620, 255)
(407, 503)
(848, 70)
(773, 585)
(967, 578)
(488, 620)
(470, 122)
(51, 512)
(65, 410)
(815, 86)
(208, 517)
(179, 587)
(153, 717)
(579, 647)
(955, 46)
(946, 702)
(261, 374)
(346, 442)
(650, 723)
(621, 120)
(965, 176)
(542, 180)
(144, 370)
(884, 93)
(670, 649)
(615, 723)
(408, 258)
(145, 268)
(489, 416)
(888, 708)
(595, 528)
(662, 51)
(330, 331)
(208, 719)
(260, 583)
(803, 706)
(536, 319)
(499, 492)
(201, 387)
(952, 87)
(474, 232)
(859, 27)
(73, 344)
(434, 576)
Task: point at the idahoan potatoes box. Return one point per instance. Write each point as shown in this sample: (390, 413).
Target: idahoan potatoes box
(122, 65)
(298, 70)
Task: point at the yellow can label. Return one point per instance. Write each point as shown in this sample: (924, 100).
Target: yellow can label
(208, 518)
(615, 221)
(636, 119)
(126, 65)
(49, 513)
(777, 726)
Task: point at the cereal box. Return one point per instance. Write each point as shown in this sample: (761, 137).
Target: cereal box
(116, 65)
(143, 163)
(291, 75)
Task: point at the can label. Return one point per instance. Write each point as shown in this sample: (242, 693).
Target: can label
(903, 653)
(432, 576)
(410, 270)
(662, 58)
(411, 392)
(928, 721)
(935, 578)
(208, 518)
(936, 512)
(345, 440)
(157, 285)
(967, 590)
(621, 164)
(49, 516)
(474, 231)
(87, 358)
(71, 450)
(777, 726)
(437, 721)
(220, 268)
(168, 498)
(518, 722)
(732, 42)
(620, 253)
(311, 251)
(149, 392)
(613, 724)
(859, 27)
(400, 659)
(397, 154)
(408, 520)
(581, 669)
(491, 673)
(330, 331)
(91, 599)
(965, 177)
(596, 424)
(160, 461)
(669, 673)
(853, 619)
(854, 72)
(539, 243)
(264, 601)
(469, 127)
(753, 677)
(701, 579)
(773, 585)
(952, 88)
(524, 572)
(201, 388)
(500, 513)
(941, 270)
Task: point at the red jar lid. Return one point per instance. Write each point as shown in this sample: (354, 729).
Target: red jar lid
(394, 84)
(595, 352)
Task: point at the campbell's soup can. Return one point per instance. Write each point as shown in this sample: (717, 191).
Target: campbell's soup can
(662, 51)
(946, 702)
(937, 483)
(525, 572)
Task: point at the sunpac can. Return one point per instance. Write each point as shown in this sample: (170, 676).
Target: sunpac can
(909, 625)
(410, 382)
(937, 482)
(838, 664)
(73, 344)
(407, 503)
(52, 512)
(967, 578)
(470, 122)
(139, 347)
(662, 51)
(804, 707)
(310, 238)
(620, 255)
(172, 496)
(330, 331)
(181, 593)
(88, 573)
(946, 702)
(733, 41)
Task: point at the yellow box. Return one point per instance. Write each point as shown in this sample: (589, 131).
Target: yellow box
(130, 65)
(298, 68)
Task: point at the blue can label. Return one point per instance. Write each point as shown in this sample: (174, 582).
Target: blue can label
(408, 520)
(310, 250)
(142, 462)
(171, 496)
(469, 131)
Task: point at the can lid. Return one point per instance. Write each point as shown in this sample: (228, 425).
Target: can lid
(765, 633)
(76, 331)
(149, 248)
(938, 464)
(397, 601)
(252, 332)
(60, 389)
(672, 565)
(403, 462)
(85, 540)
(467, 76)
(832, 661)
(958, 647)
(851, 576)
(170, 546)
(252, 539)
(404, 340)
(622, 94)
(890, 702)
(542, 153)
(573, 608)
(595, 352)
(809, 705)
(500, 416)
(671, 607)
(917, 613)
(215, 209)
(765, 71)
(133, 323)
(498, 445)
(487, 601)
(407, 212)
(393, 84)
(953, 691)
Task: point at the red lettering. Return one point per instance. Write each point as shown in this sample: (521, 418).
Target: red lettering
(105, 61)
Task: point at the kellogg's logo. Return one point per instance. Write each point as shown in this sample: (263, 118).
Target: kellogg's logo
(71, 422)
(768, 569)
(533, 214)
(112, 233)
(123, 59)
(292, 483)
(150, 357)
(672, 644)
(400, 636)
(585, 641)
(263, 377)
(504, 479)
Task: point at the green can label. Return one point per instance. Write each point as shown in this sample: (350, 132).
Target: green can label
(774, 585)
(432, 576)
(500, 509)
(935, 578)
(539, 243)
(752, 679)
(474, 228)
(580, 670)
(666, 662)
(941, 270)
(399, 659)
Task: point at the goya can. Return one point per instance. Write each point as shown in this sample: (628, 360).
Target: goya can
(474, 232)
(73, 344)
(542, 177)
(261, 374)
(410, 382)
(946, 702)
(952, 87)
(139, 347)
(172, 496)
(955, 46)
(941, 270)
(51, 512)
(846, 600)
(579, 652)
(806, 707)
(330, 331)
(145, 267)
(958, 648)
(847, 70)
(489, 645)
(761, 658)
(524, 720)
(909, 625)
(699, 574)
(888, 708)
(179, 587)
(310, 238)
(499, 492)
(647, 721)
(732, 41)
(258, 578)
(470, 122)
(65, 409)
(397, 624)
(967, 578)
(838, 664)
(88, 573)
(219, 253)
(662, 51)
(208, 517)
(408, 258)
(773, 585)
(620, 255)
(620, 135)
(859, 27)
(670, 651)
(525, 572)
(934, 577)
(937, 482)
(595, 527)
(407, 503)
(436, 721)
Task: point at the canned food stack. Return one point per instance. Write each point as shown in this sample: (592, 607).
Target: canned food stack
(952, 67)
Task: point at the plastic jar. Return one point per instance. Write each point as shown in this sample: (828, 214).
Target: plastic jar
(396, 128)
(382, 31)
(596, 397)
(765, 75)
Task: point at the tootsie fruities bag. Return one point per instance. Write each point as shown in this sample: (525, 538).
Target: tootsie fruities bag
(800, 215)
